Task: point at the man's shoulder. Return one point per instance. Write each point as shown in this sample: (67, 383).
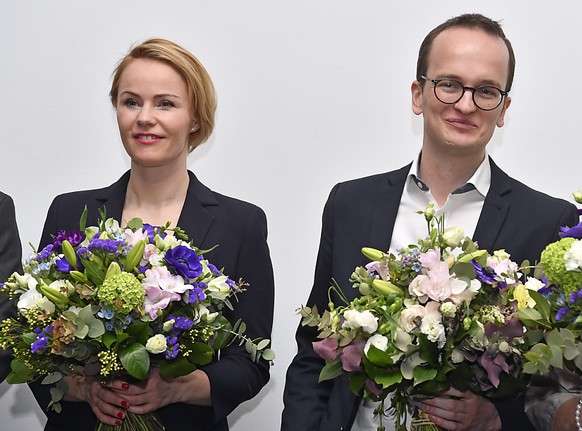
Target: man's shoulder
(371, 183)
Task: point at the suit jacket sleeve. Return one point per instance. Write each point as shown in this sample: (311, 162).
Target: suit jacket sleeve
(10, 262)
(305, 400)
(235, 377)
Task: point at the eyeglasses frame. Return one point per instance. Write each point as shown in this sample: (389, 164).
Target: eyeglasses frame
(465, 88)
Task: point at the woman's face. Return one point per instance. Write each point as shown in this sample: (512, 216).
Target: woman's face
(153, 114)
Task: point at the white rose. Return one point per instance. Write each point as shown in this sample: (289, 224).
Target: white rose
(411, 317)
(453, 236)
(156, 344)
(365, 320)
(573, 257)
(380, 342)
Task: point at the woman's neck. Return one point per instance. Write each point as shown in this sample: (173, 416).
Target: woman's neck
(156, 195)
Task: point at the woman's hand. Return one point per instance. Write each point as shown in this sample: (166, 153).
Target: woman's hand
(108, 406)
(461, 411)
(156, 392)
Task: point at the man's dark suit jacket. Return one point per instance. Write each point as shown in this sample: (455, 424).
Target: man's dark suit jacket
(10, 262)
(240, 231)
(362, 213)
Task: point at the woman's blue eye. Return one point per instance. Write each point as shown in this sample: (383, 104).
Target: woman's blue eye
(166, 104)
(130, 102)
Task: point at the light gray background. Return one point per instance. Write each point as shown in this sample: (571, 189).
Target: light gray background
(311, 92)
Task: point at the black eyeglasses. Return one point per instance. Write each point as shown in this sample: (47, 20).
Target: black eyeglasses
(449, 91)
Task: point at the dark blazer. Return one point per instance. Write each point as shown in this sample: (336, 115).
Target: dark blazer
(362, 213)
(10, 262)
(240, 231)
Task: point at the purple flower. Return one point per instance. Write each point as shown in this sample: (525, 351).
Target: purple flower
(213, 268)
(172, 347)
(484, 273)
(151, 231)
(184, 261)
(196, 295)
(562, 312)
(45, 252)
(573, 232)
(76, 237)
(108, 245)
(183, 323)
(42, 339)
(63, 266)
(231, 284)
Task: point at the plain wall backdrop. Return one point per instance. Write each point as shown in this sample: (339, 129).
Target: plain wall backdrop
(311, 92)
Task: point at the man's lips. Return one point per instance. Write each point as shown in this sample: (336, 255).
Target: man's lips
(461, 123)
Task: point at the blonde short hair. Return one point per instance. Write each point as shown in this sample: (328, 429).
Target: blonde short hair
(200, 88)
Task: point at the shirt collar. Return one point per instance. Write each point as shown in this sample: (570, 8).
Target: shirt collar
(480, 180)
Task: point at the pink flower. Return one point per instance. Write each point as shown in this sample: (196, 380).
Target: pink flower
(326, 348)
(382, 270)
(351, 356)
(161, 288)
(430, 259)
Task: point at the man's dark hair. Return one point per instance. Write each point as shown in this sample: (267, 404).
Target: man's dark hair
(470, 21)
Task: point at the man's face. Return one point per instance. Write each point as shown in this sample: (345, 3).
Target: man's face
(473, 58)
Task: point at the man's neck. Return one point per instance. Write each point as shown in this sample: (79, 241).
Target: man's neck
(444, 174)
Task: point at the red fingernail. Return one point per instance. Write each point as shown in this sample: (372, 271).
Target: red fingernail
(117, 422)
(125, 386)
(120, 415)
(124, 404)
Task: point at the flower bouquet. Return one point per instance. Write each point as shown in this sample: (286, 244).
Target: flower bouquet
(432, 315)
(560, 282)
(111, 303)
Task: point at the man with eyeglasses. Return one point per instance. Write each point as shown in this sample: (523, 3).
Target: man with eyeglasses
(464, 74)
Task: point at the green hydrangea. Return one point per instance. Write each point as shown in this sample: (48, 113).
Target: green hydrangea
(490, 314)
(552, 261)
(123, 293)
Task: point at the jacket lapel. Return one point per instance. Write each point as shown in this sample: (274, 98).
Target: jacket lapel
(385, 210)
(494, 210)
(112, 198)
(196, 218)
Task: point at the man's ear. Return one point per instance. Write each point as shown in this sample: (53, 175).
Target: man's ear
(416, 90)
(501, 119)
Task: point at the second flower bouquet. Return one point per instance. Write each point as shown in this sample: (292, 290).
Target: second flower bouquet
(437, 314)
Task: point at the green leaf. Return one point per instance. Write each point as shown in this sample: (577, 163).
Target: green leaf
(423, 374)
(20, 373)
(176, 368)
(139, 331)
(83, 219)
(136, 360)
(331, 370)
(94, 270)
(357, 382)
(268, 355)
(135, 224)
(263, 343)
(108, 339)
(52, 378)
(387, 379)
(378, 357)
(201, 353)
